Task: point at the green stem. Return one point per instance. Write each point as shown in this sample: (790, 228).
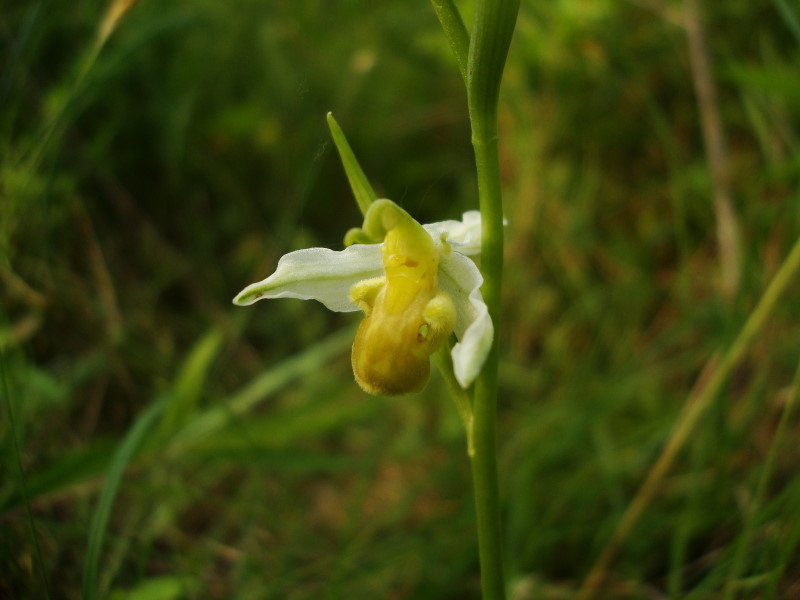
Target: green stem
(488, 48)
(484, 460)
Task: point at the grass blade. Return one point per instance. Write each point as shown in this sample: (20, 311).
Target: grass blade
(789, 17)
(745, 539)
(189, 383)
(695, 407)
(119, 463)
(21, 473)
(212, 420)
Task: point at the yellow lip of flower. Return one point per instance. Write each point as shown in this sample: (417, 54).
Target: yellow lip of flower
(416, 287)
(407, 316)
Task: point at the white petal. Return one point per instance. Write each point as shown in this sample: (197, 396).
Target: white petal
(459, 277)
(318, 274)
(464, 236)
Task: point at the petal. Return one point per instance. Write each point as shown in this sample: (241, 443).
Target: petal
(459, 277)
(464, 236)
(318, 274)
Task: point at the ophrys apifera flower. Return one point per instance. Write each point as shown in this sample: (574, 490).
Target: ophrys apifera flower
(416, 285)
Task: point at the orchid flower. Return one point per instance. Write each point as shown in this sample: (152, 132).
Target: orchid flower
(416, 285)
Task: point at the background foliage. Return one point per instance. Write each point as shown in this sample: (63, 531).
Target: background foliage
(144, 182)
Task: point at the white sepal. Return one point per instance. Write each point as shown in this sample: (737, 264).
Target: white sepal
(318, 274)
(463, 236)
(461, 279)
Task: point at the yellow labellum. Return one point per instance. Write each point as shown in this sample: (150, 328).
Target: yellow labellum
(407, 316)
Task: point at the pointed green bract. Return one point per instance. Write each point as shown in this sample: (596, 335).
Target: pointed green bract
(359, 183)
(455, 31)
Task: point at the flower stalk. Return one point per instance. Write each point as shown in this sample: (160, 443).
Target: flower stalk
(488, 48)
(483, 434)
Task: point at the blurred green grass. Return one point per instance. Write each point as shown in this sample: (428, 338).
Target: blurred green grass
(136, 200)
